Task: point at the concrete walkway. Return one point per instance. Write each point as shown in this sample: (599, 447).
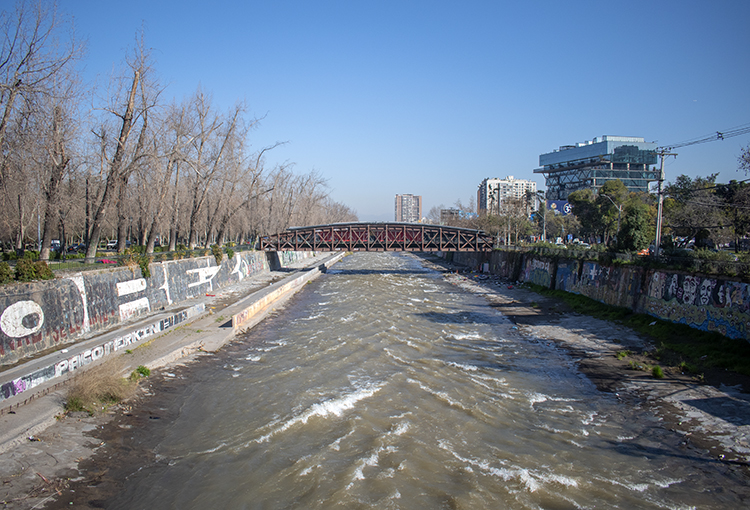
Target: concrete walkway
(213, 320)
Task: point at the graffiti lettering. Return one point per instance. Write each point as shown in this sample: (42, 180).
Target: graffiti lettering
(131, 287)
(205, 275)
(134, 308)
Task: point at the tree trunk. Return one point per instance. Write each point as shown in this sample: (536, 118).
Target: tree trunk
(159, 206)
(122, 217)
(20, 233)
(113, 177)
(175, 213)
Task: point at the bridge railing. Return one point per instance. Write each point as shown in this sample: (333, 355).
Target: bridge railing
(378, 237)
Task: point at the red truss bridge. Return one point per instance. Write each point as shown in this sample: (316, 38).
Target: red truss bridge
(378, 237)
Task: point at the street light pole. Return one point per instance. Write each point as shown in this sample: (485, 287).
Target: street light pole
(543, 200)
(619, 212)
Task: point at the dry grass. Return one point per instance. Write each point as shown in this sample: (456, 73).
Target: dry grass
(95, 389)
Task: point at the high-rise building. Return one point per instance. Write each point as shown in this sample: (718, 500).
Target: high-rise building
(409, 208)
(449, 216)
(492, 192)
(590, 164)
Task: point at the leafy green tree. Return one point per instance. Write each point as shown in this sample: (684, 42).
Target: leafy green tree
(610, 199)
(586, 210)
(634, 234)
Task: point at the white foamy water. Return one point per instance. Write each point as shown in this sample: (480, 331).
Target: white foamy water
(380, 385)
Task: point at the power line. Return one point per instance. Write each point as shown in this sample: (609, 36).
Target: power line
(667, 151)
(717, 135)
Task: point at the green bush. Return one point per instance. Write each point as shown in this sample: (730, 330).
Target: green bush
(6, 273)
(43, 272)
(10, 255)
(218, 253)
(140, 371)
(230, 253)
(25, 270)
(143, 262)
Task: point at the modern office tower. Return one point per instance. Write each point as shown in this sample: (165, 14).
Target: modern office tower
(592, 163)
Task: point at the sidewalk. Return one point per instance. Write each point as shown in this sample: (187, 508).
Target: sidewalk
(208, 325)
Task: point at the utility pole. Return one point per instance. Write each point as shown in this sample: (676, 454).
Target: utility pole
(660, 193)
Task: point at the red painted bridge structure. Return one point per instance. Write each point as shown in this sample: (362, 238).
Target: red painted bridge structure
(378, 237)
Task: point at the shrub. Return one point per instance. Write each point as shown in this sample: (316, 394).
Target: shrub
(6, 273)
(95, 389)
(141, 371)
(657, 372)
(43, 272)
(25, 270)
(143, 262)
(230, 253)
(218, 254)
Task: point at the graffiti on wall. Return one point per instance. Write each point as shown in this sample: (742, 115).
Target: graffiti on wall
(567, 275)
(705, 303)
(287, 258)
(95, 353)
(47, 314)
(538, 272)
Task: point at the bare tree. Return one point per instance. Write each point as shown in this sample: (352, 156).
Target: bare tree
(214, 137)
(37, 47)
(116, 167)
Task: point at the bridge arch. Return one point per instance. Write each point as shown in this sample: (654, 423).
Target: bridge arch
(358, 236)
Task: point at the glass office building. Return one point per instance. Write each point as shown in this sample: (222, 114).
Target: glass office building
(590, 164)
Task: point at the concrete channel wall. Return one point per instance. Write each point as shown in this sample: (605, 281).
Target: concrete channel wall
(39, 316)
(704, 302)
(25, 381)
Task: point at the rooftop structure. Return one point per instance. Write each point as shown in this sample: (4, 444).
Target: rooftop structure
(592, 163)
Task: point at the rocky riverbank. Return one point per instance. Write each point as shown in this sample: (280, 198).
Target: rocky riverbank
(708, 420)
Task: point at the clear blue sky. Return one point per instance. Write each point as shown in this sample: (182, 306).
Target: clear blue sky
(430, 97)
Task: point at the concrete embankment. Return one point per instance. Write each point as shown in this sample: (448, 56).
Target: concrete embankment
(202, 324)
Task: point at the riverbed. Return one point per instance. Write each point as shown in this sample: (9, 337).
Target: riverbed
(382, 385)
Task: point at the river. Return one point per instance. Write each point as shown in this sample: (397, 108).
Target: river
(380, 385)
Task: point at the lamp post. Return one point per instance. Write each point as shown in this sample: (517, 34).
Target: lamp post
(619, 211)
(543, 201)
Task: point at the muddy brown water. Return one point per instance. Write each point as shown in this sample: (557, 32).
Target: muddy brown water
(380, 385)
